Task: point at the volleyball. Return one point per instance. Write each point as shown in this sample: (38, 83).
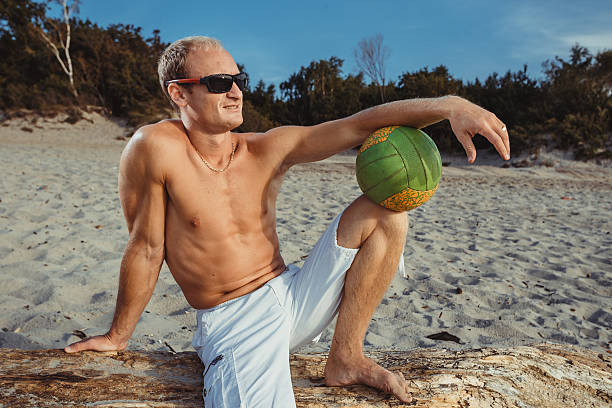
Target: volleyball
(399, 167)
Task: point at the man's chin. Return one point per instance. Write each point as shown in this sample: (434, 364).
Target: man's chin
(235, 123)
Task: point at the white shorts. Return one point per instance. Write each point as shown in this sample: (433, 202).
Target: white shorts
(245, 342)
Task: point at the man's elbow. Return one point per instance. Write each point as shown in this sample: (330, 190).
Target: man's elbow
(151, 253)
(156, 253)
(153, 257)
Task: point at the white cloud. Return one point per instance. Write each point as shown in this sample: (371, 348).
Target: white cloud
(594, 42)
(545, 30)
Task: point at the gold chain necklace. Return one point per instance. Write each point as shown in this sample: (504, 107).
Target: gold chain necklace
(215, 169)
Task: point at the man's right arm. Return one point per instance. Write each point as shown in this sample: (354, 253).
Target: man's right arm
(143, 198)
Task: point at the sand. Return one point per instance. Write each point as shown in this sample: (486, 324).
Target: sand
(498, 257)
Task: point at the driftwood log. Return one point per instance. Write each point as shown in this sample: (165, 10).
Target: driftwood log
(539, 376)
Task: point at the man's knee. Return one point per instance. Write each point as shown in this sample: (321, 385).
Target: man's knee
(363, 217)
(393, 223)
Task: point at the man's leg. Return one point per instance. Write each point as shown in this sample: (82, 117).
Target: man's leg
(380, 234)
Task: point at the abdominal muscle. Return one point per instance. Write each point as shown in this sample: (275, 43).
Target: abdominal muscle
(214, 265)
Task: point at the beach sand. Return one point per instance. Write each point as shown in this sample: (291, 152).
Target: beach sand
(498, 257)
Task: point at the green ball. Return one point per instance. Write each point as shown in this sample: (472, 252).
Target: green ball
(399, 167)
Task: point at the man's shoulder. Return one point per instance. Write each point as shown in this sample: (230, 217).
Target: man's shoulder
(168, 131)
(157, 137)
(153, 145)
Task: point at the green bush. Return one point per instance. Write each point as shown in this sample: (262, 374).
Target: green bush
(587, 134)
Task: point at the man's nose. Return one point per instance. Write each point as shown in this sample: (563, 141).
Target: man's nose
(234, 92)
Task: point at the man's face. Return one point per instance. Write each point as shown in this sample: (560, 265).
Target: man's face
(214, 112)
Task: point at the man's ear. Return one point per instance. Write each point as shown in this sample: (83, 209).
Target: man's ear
(177, 94)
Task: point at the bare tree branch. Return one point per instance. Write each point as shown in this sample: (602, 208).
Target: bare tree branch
(62, 44)
(370, 56)
(54, 50)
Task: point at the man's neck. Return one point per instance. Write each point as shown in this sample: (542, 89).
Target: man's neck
(216, 148)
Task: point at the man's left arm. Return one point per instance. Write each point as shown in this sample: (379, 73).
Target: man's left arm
(301, 144)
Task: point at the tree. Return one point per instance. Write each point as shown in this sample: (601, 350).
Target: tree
(370, 56)
(578, 102)
(428, 84)
(263, 99)
(63, 42)
(24, 60)
(318, 93)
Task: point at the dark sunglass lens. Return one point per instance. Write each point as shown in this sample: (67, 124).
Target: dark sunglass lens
(242, 83)
(220, 84)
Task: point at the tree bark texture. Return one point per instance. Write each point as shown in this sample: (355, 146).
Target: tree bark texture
(538, 376)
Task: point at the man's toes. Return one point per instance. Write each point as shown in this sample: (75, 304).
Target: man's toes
(407, 397)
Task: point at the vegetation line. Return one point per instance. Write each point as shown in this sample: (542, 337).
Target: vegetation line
(115, 68)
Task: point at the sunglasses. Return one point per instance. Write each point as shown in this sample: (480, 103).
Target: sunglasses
(217, 83)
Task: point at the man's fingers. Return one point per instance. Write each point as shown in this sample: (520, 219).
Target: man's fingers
(466, 141)
(78, 346)
(96, 343)
(503, 132)
(496, 139)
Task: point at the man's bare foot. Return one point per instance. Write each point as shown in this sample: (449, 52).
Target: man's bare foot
(339, 372)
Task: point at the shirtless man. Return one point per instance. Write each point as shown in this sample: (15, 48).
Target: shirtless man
(204, 200)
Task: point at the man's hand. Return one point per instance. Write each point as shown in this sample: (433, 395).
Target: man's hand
(468, 119)
(96, 343)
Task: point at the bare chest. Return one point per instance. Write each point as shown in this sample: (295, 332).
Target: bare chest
(237, 200)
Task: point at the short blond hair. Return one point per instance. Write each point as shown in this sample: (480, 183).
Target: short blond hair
(173, 61)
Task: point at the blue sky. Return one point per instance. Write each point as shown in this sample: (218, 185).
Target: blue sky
(473, 38)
